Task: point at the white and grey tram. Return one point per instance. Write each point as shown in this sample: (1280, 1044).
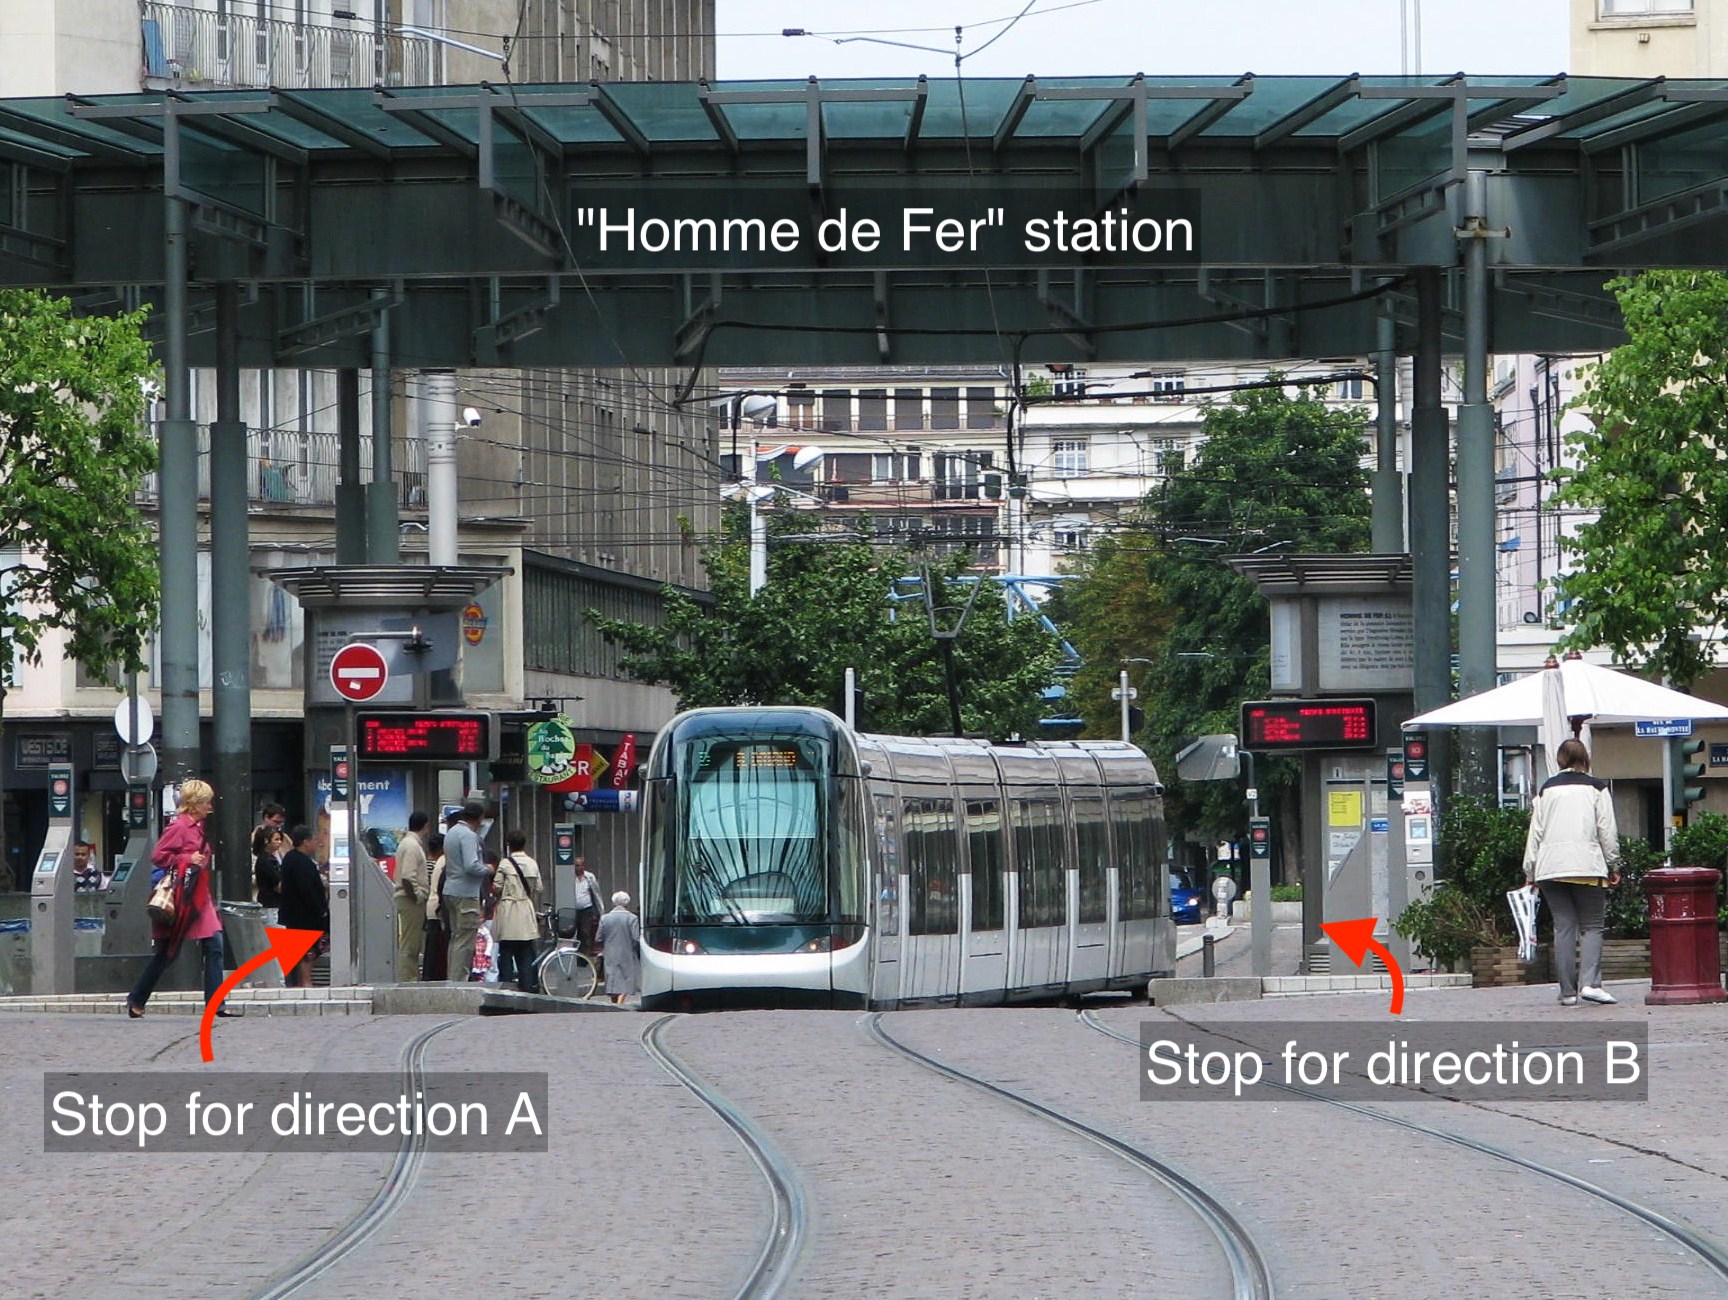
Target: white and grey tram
(788, 860)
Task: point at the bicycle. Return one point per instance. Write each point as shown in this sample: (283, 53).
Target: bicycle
(564, 970)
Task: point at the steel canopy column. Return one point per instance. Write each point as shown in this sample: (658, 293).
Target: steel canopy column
(1430, 511)
(177, 491)
(350, 491)
(230, 609)
(1477, 558)
(1387, 482)
(383, 524)
(440, 414)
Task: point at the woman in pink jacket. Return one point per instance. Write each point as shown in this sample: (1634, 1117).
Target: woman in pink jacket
(184, 852)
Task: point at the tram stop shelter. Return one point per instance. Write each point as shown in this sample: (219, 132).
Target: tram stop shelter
(690, 225)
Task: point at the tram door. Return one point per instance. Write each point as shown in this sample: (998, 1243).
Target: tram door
(1038, 954)
(930, 952)
(984, 966)
(1089, 963)
(886, 884)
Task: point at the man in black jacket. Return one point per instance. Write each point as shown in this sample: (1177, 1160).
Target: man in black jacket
(305, 900)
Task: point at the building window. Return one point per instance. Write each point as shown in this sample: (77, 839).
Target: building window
(1350, 390)
(944, 408)
(1071, 537)
(1169, 455)
(959, 475)
(1067, 381)
(909, 410)
(894, 466)
(1640, 8)
(837, 409)
(801, 409)
(873, 409)
(1168, 385)
(1069, 457)
(980, 408)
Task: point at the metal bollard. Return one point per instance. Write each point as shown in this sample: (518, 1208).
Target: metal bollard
(1208, 961)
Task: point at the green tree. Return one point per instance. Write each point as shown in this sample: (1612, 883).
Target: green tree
(1650, 570)
(1276, 470)
(828, 606)
(76, 555)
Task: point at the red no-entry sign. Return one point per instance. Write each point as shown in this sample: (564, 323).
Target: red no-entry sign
(358, 671)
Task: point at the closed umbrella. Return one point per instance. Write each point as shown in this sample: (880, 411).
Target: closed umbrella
(1557, 725)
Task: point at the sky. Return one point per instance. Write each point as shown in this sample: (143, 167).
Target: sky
(1157, 37)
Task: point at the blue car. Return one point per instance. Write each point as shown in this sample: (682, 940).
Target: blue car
(1187, 900)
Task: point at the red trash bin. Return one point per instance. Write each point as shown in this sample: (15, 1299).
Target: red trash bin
(1685, 965)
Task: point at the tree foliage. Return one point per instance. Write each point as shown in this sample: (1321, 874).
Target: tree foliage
(1649, 571)
(827, 606)
(76, 554)
(1276, 470)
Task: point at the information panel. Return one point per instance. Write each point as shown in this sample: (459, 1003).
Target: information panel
(1280, 726)
(428, 737)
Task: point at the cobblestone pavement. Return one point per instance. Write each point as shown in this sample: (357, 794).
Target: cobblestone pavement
(922, 1186)
(918, 1186)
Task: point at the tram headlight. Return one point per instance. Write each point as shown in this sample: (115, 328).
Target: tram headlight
(821, 943)
(675, 944)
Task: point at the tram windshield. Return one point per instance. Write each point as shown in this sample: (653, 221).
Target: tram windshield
(755, 832)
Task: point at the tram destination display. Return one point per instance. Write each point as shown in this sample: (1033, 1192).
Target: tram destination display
(1284, 726)
(427, 737)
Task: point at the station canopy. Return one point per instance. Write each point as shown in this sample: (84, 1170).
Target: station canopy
(864, 222)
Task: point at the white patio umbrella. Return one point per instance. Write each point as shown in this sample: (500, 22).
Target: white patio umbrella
(1601, 695)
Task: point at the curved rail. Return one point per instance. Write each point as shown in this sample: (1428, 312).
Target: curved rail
(398, 1186)
(1703, 1247)
(1250, 1277)
(787, 1217)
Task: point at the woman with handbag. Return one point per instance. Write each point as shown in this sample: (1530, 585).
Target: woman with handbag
(186, 908)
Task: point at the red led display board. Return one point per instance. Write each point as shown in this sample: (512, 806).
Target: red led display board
(426, 737)
(1278, 726)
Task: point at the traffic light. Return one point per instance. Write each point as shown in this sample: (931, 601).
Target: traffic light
(1685, 770)
(1136, 718)
(1259, 837)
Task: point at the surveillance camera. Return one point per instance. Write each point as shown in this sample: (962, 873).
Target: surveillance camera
(471, 417)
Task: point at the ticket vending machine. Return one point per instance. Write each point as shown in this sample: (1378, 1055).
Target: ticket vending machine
(362, 902)
(51, 884)
(126, 923)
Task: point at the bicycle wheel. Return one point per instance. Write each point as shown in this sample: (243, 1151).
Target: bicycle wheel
(567, 974)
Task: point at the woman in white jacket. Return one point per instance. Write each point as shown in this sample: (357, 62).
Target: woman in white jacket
(1572, 841)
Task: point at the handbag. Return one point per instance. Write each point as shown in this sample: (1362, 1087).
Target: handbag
(162, 905)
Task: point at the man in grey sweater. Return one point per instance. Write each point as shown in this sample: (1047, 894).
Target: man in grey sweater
(464, 881)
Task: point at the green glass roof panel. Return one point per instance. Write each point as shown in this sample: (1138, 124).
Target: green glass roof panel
(1272, 100)
(664, 111)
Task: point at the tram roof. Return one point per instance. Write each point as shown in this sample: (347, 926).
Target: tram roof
(461, 210)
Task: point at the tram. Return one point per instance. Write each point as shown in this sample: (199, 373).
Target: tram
(791, 861)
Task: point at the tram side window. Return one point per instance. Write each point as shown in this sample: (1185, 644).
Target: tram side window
(887, 866)
(1138, 870)
(988, 862)
(932, 866)
(1038, 861)
(1092, 850)
(659, 903)
(850, 859)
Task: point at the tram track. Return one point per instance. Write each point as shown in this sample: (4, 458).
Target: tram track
(1250, 1275)
(398, 1187)
(788, 1226)
(1710, 1252)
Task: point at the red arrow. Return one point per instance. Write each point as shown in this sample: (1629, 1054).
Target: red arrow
(286, 946)
(1356, 939)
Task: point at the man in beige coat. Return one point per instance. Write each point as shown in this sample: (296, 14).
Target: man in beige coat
(413, 884)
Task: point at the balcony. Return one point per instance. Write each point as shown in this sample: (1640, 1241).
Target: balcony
(289, 470)
(197, 49)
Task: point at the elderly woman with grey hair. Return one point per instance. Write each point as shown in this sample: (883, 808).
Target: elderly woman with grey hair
(620, 941)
